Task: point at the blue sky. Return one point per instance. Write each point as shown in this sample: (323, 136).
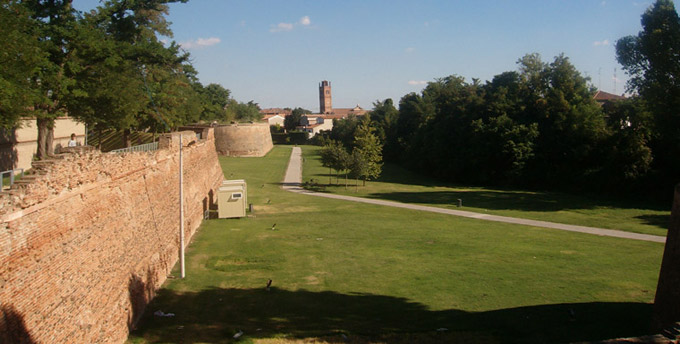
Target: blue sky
(276, 52)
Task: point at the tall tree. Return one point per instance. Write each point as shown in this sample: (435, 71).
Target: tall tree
(293, 120)
(384, 116)
(57, 28)
(129, 79)
(330, 154)
(367, 152)
(344, 129)
(652, 59)
(21, 58)
(243, 112)
(216, 101)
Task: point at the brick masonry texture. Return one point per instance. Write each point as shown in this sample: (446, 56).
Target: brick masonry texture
(246, 140)
(85, 244)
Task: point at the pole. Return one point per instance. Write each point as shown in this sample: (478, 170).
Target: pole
(181, 211)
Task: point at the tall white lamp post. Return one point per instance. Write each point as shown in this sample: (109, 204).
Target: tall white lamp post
(181, 210)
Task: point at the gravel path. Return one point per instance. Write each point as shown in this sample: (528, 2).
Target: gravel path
(293, 179)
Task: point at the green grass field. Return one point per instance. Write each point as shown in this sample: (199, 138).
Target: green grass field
(398, 184)
(380, 274)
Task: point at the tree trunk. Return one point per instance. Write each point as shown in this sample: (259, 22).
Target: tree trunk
(667, 299)
(364, 181)
(356, 184)
(49, 140)
(330, 176)
(99, 134)
(126, 138)
(345, 180)
(42, 138)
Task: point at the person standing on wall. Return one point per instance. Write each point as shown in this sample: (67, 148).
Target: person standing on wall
(72, 142)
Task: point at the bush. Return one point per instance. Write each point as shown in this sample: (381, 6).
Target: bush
(295, 138)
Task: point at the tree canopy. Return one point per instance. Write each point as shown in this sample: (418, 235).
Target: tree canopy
(107, 68)
(652, 60)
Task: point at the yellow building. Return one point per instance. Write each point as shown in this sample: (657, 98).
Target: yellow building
(17, 147)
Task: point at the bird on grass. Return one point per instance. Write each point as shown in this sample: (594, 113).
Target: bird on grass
(274, 226)
(269, 284)
(268, 201)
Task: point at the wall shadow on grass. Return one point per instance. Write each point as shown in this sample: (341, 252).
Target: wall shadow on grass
(215, 315)
(495, 200)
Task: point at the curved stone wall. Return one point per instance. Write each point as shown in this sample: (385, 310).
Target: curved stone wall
(252, 139)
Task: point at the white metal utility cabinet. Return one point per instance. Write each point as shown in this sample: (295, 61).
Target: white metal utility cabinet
(232, 199)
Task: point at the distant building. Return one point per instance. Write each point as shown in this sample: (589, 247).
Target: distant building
(314, 129)
(274, 119)
(326, 103)
(325, 98)
(602, 97)
(314, 123)
(18, 146)
(275, 116)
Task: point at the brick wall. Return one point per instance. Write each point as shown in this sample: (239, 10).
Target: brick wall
(247, 140)
(85, 243)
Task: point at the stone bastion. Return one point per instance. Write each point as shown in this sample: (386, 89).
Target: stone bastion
(243, 139)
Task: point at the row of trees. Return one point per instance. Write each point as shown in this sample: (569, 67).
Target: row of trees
(365, 160)
(107, 68)
(540, 127)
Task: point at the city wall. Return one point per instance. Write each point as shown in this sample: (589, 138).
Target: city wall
(246, 140)
(87, 241)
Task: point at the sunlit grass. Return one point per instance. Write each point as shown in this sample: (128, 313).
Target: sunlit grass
(380, 274)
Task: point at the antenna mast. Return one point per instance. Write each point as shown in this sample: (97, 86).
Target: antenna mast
(599, 78)
(615, 80)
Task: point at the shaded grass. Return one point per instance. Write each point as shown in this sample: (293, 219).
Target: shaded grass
(382, 274)
(398, 184)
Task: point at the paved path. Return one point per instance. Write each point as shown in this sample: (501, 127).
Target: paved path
(293, 179)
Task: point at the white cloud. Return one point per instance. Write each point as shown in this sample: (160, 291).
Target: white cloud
(417, 82)
(410, 49)
(601, 43)
(200, 43)
(281, 27)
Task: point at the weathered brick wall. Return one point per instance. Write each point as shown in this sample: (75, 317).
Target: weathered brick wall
(247, 140)
(84, 246)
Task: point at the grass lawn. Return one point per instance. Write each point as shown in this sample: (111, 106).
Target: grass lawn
(380, 274)
(398, 184)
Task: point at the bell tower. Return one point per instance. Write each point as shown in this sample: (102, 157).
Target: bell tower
(325, 103)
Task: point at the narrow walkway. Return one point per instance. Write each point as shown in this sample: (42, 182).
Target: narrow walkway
(293, 179)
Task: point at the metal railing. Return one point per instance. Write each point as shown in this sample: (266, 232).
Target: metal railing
(12, 174)
(147, 147)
